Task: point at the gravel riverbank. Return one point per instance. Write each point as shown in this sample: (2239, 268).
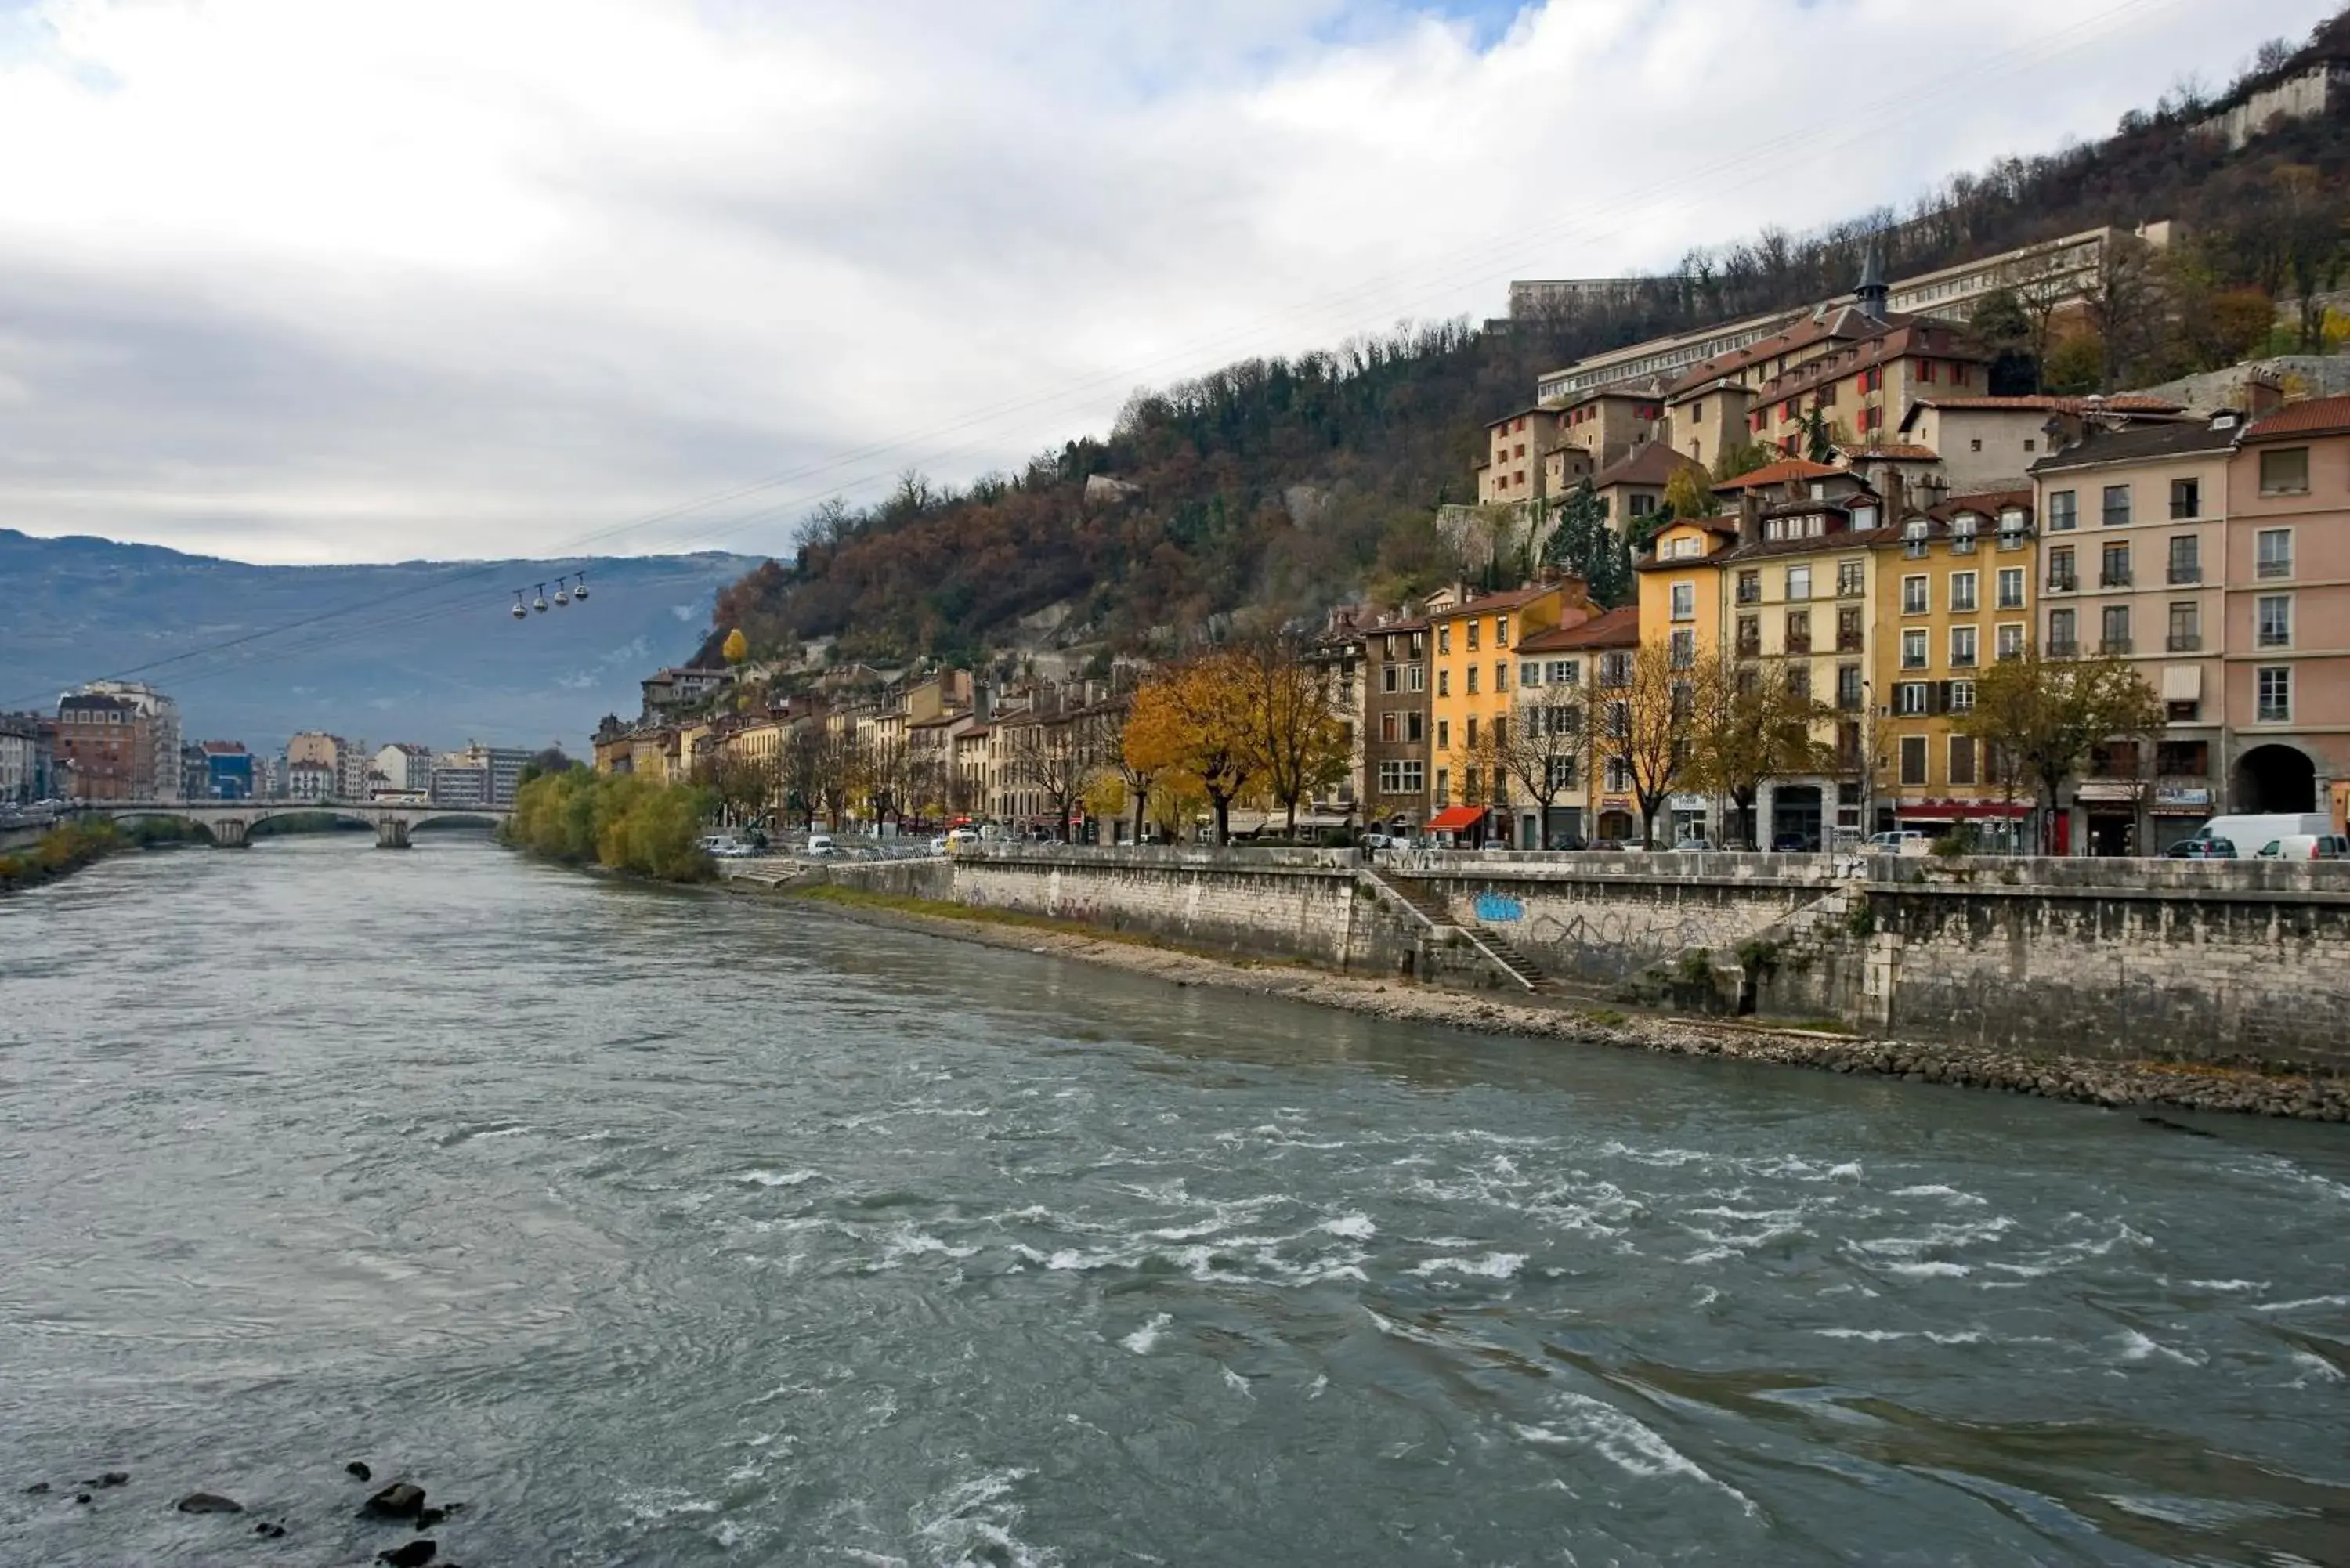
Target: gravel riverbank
(2152, 1085)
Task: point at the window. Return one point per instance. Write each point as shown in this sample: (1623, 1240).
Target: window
(1619, 775)
(1925, 370)
(1684, 650)
(2061, 578)
(2118, 505)
(1390, 678)
(2186, 627)
(2009, 641)
(1848, 628)
(1415, 678)
(2062, 640)
(2274, 623)
(1913, 759)
(1501, 675)
(2114, 630)
(1872, 417)
(2285, 471)
(2114, 567)
(1962, 647)
(1501, 631)
(1799, 682)
(1684, 601)
(1913, 595)
(1615, 669)
(1415, 727)
(1852, 578)
(1444, 639)
(1913, 648)
(1962, 759)
(2186, 497)
(1472, 681)
(1797, 634)
(1565, 671)
(2186, 559)
(1473, 636)
(2061, 512)
(1561, 771)
(1530, 673)
(1444, 683)
(1910, 698)
(2274, 552)
(2275, 694)
(1405, 777)
(1962, 593)
(1444, 734)
(1799, 583)
(2011, 587)
(1750, 636)
(1750, 587)
(1470, 735)
(1848, 687)
(1391, 727)
(1444, 787)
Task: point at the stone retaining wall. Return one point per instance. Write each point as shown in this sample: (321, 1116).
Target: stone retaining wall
(2220, 962)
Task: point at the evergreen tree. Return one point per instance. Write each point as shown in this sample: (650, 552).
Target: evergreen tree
(1583, 544)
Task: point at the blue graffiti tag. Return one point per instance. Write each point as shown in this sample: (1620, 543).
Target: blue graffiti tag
(1498, 907)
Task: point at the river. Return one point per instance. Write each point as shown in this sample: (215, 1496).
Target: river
(671, 1227)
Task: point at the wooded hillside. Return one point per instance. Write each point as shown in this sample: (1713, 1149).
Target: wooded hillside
(1292, 483)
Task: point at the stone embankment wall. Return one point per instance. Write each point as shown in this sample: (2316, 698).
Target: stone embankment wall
(1298, 904)
(2219, 961)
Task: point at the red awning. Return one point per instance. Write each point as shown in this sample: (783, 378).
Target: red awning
(1456, 819)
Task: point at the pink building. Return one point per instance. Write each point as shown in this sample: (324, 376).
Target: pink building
(2287, 614)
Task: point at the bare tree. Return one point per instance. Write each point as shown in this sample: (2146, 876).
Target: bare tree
(1058, 756)
(1543, 745)
(1644, 721)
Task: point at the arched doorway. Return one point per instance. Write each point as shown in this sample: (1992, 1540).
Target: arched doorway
(2275, 778)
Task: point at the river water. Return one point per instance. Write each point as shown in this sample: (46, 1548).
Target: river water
(667, 1227)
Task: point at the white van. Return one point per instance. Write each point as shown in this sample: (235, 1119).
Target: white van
(2248, 834)
(2305, 846)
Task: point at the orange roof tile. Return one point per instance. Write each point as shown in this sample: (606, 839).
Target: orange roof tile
(1617, 629)
(2319, 416)
(1779, 472)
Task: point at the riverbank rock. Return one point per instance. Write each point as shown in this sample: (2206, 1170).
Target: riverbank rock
(207, 1502)
(111, 1478)
(400, 1500)
(36, 1489)
(358, 1472)
(414, 1554)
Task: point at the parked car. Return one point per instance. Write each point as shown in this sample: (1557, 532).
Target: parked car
(1569, 841)
(1604, 845)
(2305, 846)
(1385, 841)
(2201, 849)
(2247, 833)
(820, 845)
(1905, 841)
(1694, 845)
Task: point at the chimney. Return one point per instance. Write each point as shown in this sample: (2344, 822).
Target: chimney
(1897, 495)
(2264, 395)
(1749, 517)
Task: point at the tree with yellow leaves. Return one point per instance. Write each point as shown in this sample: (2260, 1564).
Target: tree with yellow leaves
(1191, 727)
(736, 648)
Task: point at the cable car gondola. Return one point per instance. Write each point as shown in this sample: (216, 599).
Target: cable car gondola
(539, 604)
(519, 612)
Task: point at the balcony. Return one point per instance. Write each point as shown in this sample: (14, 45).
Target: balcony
(1914, 548)
(2184, 642)
(2014, 539)
(2184, 574)
(1962, 543)
(2062, 647)
(2062, 582)
(1799, 644)
(1848, 642)
(2275, 568)
(1750, 593)
(1850, 590)
(2112, 645)
(1847, 702)
(1963, 660)
(2008, 655)
(2114, 578)
(1749, 647)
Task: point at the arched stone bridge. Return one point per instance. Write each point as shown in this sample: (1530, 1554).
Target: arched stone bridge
(228, 820)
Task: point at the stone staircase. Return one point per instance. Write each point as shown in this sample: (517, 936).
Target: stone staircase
(1436, 921)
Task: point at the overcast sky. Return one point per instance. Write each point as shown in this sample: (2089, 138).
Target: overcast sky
(310, 280)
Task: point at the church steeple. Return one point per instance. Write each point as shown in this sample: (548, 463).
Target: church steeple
(1872, 290)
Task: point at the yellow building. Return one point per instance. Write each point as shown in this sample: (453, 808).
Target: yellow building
(1471, 645)
(1792, 579)
(1953, 596)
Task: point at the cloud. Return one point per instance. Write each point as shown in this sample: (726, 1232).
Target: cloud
(376, 280)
